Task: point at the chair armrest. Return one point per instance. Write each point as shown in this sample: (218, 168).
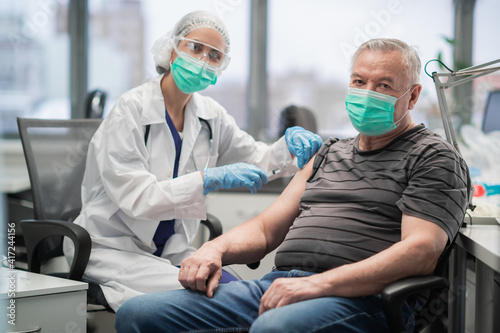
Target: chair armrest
(214, 226)
(35, 231)
(395, 294)
(254, 265)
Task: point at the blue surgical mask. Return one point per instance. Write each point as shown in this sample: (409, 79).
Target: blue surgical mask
(191, 76)
(371, 113)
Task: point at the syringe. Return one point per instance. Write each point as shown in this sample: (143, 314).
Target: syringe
(273, 172)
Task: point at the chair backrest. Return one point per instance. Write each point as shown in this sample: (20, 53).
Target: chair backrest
(56, 153)
(296, 116)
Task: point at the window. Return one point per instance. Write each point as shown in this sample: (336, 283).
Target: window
(121, 34)
(485, 49)
(310, 45)
(34, 48)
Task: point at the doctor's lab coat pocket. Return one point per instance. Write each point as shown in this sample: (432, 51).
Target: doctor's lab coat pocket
(201, 162)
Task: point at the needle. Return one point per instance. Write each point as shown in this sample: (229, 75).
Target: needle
(273, 172)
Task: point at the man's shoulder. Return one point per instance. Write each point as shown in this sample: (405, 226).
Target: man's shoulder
(338, 141)
(432, 149)
(424, 138)
(333, 143)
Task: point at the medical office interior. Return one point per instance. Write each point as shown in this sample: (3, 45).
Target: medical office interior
(63, 59)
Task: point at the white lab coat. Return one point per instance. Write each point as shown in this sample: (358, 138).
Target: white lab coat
(128, 187)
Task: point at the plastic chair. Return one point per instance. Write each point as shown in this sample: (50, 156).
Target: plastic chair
(55, 153)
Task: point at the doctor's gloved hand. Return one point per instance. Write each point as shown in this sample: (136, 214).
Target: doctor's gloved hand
(302, 143)
(233, 176)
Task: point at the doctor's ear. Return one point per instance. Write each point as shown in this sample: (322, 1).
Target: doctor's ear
(173, 56)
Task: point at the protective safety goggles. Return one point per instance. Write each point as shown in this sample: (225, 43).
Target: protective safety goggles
(203, 52)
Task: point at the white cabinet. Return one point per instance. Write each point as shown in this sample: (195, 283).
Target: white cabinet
(53, 305)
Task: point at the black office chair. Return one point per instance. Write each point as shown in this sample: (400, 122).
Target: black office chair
(431, 293)
(95, 102)
(55, 153)
(293, 115)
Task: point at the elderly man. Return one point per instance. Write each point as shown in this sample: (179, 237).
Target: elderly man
(368, 211)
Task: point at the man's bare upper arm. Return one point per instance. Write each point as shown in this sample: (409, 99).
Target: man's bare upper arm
(427, 235)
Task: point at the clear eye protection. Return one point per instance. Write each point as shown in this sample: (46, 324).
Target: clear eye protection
(203, 52)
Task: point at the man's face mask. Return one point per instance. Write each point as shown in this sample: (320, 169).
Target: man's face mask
(371, 113)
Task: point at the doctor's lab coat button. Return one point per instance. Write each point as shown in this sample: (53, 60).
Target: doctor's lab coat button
(169, 174)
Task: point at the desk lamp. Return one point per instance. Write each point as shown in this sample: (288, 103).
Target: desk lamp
(454, 79)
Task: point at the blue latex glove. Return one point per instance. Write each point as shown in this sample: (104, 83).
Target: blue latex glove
(233, 176)
(302, 143)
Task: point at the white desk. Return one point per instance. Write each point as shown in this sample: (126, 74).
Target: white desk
(481, 240)
(52, 304)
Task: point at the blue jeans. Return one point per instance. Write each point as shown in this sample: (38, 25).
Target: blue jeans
(236, 306)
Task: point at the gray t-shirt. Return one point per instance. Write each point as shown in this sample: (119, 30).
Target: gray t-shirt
(353, 203)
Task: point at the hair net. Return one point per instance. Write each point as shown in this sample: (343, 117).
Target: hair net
(163, 46)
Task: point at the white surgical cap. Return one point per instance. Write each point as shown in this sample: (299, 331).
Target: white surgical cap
(163, 46)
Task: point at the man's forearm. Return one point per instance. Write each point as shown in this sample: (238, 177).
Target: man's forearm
(366, 277)
(243, 244)
(415, 255)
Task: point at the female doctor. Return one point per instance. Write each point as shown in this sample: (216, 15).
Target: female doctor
(159, 152)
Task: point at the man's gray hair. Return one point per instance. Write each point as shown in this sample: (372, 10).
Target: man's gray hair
(410, 57)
